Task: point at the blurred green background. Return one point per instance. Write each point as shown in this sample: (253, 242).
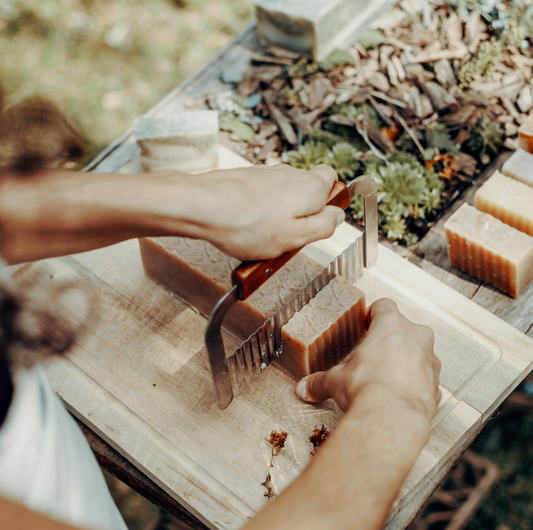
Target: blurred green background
(106, 62)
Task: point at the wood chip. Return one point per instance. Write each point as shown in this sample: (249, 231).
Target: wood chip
(318, 89)
(393, 74)
(385, 53)
(453, 29)
(379, 81)
(283, 122)
(511, 143)
(430, 57)
(444, 73)
(269, 59)
(400, 70)
(268, 149)
(460, 117)
(440, 98)
(275, 51)
(525, 99)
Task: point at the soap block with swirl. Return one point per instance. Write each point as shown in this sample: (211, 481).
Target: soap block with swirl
(316, 338)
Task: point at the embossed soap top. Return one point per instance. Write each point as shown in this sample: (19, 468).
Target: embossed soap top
(520, 167)
(323, 311)
(491, 233)
(186, 123)
(507, 199)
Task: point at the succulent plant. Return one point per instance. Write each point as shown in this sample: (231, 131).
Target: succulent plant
(343, 159)
(486, 138)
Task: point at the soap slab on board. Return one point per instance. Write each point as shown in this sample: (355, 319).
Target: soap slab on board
(313, 27)
(316, 338)
(508, 200)
(525, 135)
(488, 249)
(520, 167)
(185, 142)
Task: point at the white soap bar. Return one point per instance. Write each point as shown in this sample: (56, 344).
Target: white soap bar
(315, 27)
(490, 250)
(520, 167)
(508, 200)
(185, 142)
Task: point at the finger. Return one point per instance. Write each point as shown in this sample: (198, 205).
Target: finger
(315, 387)
(327, 173)
(318, 226)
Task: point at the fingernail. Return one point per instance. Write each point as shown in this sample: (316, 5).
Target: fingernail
(340, 218)
(301, 389)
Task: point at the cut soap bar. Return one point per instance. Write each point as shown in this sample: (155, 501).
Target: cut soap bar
(508, 200)
(525, 135)
(200, 274)
(520, 167)
(484, 247)
(314, 27)
(185, 142)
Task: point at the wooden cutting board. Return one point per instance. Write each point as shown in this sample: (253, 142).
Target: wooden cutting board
(139, 377)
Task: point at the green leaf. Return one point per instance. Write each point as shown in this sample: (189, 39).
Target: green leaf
(438, 136)
(372, 38)
(336, 58)
(236, 126)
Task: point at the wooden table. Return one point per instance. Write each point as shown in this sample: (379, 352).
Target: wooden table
(461, 416)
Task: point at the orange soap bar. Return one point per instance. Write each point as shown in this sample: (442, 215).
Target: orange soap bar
(484, 247)
(507, 199)
(322, 333)
(525, 135)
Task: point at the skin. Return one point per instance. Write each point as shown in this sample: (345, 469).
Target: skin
(389, 387)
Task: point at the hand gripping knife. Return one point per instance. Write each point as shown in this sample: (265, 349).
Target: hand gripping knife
(233, 374)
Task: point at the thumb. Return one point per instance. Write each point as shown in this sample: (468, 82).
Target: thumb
(314, 388)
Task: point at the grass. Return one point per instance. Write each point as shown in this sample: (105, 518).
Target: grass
(105, 63)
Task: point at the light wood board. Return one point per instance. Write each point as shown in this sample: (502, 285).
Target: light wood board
(139, 377)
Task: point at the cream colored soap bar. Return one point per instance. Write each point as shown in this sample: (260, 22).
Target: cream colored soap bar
(484, 247)
(525, 135)
(314, 27)
(185, 142)
(520, 167)
(315, 339)
(508, 200)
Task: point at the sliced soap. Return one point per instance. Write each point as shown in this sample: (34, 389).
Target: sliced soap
(318, 336)
(520, 167)
(313, 27)
(186, 142)
(484, 247)
(507, 199)
(525, 135)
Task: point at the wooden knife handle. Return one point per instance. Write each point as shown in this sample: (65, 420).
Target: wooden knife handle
(250, 275)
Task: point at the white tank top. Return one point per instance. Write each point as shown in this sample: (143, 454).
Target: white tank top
(46, 463)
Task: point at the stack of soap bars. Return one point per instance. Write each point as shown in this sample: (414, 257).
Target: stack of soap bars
(493, 240)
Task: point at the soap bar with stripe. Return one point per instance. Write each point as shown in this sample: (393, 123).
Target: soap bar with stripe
(520, 167)
(484, 247)
(185, 142)
(316, 338)
(508, 200)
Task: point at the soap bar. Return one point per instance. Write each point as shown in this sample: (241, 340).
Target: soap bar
(525, 135)
(200, 274)
(185, 142)
(508, 200)
(314, 27)
(484, 247)
(520, 167)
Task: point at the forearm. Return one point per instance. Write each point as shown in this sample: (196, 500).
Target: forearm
(354, 478)
(57, 212)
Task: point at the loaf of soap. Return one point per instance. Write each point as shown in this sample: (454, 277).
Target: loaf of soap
(507, 199)
(185, 142)
(315, 339)
(484, 247)
(520, 167)
(525, 135)
(313, 27)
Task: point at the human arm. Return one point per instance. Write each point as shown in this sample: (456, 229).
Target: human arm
(249, 213)
(389, 391)
(15, 516)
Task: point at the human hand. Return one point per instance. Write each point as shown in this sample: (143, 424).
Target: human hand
(396, 355)
(261, 212)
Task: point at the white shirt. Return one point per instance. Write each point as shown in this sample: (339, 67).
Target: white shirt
(46, 463)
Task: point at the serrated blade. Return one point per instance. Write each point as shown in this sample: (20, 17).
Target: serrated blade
(263, 347)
